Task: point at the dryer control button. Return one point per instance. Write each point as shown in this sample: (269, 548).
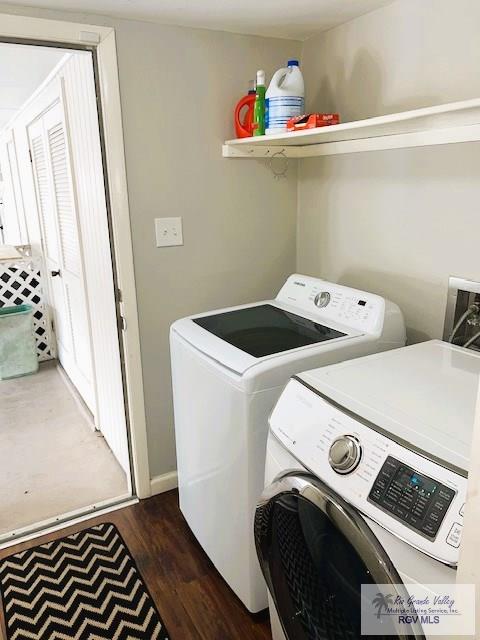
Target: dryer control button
(455, 535)
(345, 454)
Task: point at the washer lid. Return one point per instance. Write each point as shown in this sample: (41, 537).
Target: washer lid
(266, 329)
(241, 337)
(424, 394)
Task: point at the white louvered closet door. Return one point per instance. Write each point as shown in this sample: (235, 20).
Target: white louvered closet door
(62, 248)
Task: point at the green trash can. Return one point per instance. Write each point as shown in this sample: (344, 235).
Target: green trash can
(18, 352)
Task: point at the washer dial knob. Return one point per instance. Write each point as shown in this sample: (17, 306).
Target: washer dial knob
(322, 299)
(345, 454)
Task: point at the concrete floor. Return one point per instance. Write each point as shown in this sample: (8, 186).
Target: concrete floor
(51, 461)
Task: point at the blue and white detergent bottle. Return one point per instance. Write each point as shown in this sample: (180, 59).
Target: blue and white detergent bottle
(285, 98)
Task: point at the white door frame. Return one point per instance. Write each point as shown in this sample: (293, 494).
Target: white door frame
(102, 39)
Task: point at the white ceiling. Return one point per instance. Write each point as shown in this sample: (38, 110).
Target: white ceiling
(22, 70)
(296, 19)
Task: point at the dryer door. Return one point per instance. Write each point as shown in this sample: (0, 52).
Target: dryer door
(316, 551)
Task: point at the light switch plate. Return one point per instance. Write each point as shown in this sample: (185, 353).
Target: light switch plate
(168, 232)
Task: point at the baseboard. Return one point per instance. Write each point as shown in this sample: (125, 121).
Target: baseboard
(80, 402)
(165, 482)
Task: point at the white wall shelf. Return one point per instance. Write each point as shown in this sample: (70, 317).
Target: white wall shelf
(443, 124)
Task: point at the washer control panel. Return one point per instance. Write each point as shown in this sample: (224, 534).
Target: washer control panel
(412, 497)
(408, 494)
(357, 309)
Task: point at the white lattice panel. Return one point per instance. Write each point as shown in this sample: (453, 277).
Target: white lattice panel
(21, 283)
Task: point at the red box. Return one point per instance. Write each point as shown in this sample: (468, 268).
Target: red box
(312, 121)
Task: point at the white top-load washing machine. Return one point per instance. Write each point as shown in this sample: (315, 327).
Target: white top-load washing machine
(366, 476)
(229, 368)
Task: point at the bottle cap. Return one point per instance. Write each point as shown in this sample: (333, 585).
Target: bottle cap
(260, 78)
(292, 63)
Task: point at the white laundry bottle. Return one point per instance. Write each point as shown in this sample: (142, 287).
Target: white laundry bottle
(285, 98)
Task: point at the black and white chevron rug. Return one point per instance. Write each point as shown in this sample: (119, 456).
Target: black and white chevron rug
(82, 587)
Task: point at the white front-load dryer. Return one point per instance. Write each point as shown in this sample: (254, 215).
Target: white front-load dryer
(228, 370)
(366, 476)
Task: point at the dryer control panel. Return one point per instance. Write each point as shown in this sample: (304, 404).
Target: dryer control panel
(357, 309)
(413, 497)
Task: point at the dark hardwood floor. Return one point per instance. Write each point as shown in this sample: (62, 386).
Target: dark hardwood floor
(193, 600)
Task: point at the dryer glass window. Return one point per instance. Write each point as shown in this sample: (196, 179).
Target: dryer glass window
(265, 329)
(313, 571)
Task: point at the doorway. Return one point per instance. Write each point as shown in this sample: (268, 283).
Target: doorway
(65, 442)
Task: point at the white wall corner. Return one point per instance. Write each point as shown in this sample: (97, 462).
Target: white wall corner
(164, 482)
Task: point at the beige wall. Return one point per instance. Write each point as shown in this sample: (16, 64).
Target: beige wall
(394, 222)
(238, 222)
(178, 88)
